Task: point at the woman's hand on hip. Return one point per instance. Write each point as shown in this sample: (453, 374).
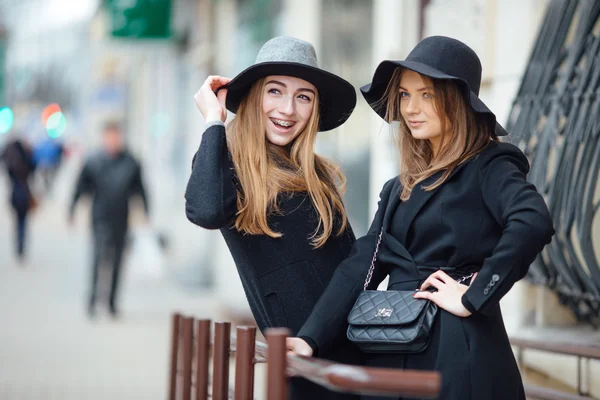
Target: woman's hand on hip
(448, 295)
(211, 105)
(298, 347)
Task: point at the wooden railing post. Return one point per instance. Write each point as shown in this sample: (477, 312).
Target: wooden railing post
(244, 363)
(187, 349)
(175, 319)
(221, 361)
(202, 357)
(277, 364)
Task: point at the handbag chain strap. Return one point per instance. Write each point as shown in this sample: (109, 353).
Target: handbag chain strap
(372, 268)
(464, 278)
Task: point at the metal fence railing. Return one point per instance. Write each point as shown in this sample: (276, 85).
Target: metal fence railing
(555, 119)
(582, 352)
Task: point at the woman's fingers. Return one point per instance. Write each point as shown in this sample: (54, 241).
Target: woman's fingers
(425, 296)
(298, 346)
(432, 281)
(442, 276)
(449, 300)
(222, 96)
(215, 81)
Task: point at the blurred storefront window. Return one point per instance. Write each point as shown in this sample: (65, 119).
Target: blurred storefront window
(257, 23)
(346, 37)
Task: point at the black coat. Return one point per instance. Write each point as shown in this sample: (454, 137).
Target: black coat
(20, 164)
(282, 277)
(111, 181)
(486, 217)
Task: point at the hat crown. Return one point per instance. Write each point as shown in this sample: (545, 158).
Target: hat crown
(451, 57)
(288, 49)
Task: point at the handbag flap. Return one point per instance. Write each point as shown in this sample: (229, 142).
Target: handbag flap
(392, 307)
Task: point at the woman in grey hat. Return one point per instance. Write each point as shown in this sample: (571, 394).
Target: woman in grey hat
(458, 226)
(277, 203)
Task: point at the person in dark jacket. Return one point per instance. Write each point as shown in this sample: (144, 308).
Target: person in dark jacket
(460, 208)
(111, 177)
(277, 203)
(18, 160)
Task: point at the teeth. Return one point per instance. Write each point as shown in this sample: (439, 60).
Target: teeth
(285, 124)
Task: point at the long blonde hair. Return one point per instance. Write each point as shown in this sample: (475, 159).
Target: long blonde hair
(464, 134)
(265, 170)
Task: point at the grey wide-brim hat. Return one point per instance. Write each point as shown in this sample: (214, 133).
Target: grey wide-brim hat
(285, 55)
(437, 57)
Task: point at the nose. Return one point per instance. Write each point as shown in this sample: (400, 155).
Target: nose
(412, 105)
(287, 106)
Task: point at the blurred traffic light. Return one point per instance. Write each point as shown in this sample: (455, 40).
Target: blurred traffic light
(48, 111)
(56, 125)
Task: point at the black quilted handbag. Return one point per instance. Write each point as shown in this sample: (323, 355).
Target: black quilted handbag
(390, 321)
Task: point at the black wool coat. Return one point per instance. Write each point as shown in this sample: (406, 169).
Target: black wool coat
(282, 277)
(485, 218)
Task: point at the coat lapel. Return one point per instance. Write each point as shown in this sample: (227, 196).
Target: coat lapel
(415, 203)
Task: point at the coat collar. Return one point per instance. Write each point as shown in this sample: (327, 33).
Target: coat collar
(418, 199)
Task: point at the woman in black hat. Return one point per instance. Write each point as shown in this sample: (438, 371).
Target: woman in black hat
(460, 209)
(277, 203)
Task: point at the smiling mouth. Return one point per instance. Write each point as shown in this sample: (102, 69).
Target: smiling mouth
(282, 123)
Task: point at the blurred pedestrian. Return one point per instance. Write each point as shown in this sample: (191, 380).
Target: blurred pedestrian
(111, 177)
(277, 203)
(18, 160)
(48, 155)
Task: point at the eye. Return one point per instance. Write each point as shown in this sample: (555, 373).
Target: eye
(404, 94)
(304, 97)
(274, 91)
(428, 96)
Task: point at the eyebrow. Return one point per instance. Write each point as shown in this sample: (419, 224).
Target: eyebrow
(285, 86)
(419, 90)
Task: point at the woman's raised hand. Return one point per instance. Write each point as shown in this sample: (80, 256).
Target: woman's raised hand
(210, 105)
(448, 295)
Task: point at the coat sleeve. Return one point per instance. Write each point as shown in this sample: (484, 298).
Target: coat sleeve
(210, 196)
(328, 320)
(138, 188)
(85, 184)
(526, 228)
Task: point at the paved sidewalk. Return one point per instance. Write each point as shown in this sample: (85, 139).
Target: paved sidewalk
(48, 347)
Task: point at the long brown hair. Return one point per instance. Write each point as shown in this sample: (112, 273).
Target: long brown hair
(265, 170)
(464, 134)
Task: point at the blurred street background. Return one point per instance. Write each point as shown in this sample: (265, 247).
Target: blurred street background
(67, 67)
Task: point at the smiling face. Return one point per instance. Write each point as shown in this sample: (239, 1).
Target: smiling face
(288, 104)
(417, 108)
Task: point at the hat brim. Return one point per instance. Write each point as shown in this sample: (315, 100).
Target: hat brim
(337, 97)
(374, 91)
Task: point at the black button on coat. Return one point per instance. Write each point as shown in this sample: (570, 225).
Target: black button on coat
(486, 217)
(282, 277)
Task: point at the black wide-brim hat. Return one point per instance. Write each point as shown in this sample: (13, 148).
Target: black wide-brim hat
(285, 55)
(437, 57)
